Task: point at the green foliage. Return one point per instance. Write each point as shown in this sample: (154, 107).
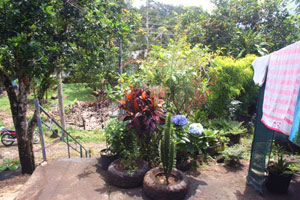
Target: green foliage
(240, 27)
(213, 137)
(181, 72)
(167, 148)
(118, 138)
(278, 163)
(227, 126)
(233, 155)
(130, 161)
(103, 28)
(280, 166)
(234, 82)
(8, 164)
(182, 141)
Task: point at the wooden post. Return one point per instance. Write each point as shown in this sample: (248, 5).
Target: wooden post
(61, 105)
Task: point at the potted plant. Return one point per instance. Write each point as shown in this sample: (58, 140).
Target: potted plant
(113, 136)
(214, 143)
(127, 171)
(144, 113)
(166, 183)
(230, 129)
(233, 131)
(279, 176)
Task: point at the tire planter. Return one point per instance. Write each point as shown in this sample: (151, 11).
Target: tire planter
(106, 159)
(122, 179)
(157, 191)
(278, 183)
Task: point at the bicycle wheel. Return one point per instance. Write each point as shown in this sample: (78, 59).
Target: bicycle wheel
(36, 138)
(7, 139)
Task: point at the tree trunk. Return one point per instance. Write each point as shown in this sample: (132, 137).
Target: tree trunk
(18, 105)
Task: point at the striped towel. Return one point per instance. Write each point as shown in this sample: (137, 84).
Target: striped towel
(282, 87)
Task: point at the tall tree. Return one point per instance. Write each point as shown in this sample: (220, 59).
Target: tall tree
(239, 27)
(35, 37)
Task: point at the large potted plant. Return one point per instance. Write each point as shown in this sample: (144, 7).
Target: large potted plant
(279, 175)
(127, 171)
(114, 134)
(143, 113)
(166, 183)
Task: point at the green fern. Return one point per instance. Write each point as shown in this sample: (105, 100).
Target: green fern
(167, 148)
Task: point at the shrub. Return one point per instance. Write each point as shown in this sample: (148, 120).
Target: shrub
(181, 72)
(234, 81)
(233, 155)
(118, 138)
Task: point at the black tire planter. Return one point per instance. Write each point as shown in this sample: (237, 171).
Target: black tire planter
(105, 159)
(157, 191)
(278, 183)
(122, 179)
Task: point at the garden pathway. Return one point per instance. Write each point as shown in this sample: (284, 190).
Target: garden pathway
(83, 179)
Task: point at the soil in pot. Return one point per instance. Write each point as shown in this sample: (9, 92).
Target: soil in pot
(106, 157)
(128, 176)
(156, 187)
(278, 183)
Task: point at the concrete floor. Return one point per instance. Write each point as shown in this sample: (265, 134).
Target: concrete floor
(83, 179)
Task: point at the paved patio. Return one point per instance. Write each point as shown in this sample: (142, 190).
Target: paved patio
(83, 179)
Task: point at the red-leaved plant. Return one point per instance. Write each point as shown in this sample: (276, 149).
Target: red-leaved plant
(142, 109)
(145, 113)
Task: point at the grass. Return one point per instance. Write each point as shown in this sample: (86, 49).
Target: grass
(4, 104)
(87, 136)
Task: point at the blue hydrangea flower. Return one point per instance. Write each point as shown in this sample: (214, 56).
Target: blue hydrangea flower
(179, 120)
(196, 128)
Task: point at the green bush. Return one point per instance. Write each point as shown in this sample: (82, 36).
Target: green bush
(234, 81)
(180, 73)
(118, 138)
(233, 155)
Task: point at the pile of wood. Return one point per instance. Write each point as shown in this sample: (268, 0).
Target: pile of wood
(88, 115)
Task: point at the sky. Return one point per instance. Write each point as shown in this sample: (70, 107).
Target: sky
(204, 3)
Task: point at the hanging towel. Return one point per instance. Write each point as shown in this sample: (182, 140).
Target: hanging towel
(260, 66)
(295, 133)
(282, 87)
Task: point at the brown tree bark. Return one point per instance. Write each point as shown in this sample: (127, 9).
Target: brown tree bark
(18, 105)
